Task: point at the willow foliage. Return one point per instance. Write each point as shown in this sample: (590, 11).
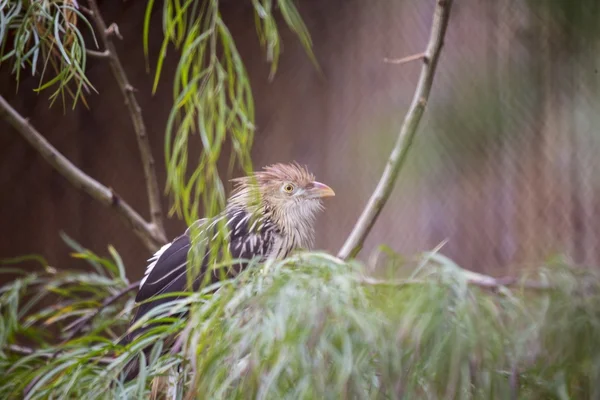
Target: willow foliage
(212, 97)
(311, 326)
(212, 94)
(46, 38)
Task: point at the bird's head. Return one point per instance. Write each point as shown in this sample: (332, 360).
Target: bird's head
(289, 192)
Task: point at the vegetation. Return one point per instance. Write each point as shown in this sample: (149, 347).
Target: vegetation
(310, 326)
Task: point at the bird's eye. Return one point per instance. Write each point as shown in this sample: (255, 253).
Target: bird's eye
(288, 188)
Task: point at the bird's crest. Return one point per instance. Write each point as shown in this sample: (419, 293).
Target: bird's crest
(279, 172)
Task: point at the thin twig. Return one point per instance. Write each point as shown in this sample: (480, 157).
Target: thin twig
(145, 231)
(97, 54)
(107, 302)
(514, 382)
(405, 60)
(106, 35)
(21, 350)
(482, 281)
(86, 10)
(407, 132)
(183, 336)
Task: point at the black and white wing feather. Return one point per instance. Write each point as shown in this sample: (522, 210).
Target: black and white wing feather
(166, 273)
(168, 269)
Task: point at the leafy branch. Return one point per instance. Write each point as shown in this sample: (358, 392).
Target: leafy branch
(408, 130)
(45, 36)
(212, 95)
(50, 29)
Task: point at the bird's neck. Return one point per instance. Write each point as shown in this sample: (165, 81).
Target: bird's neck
(296, 226)
(292, 230)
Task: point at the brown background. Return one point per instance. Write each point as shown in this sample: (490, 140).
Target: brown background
(505, 166)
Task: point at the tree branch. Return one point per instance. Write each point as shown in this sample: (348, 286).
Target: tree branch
(106, 34)
(406, 59)
(97, 54)
(473, 279)
(82, 322)
(21, 350)
(144, 230)
(407, 132)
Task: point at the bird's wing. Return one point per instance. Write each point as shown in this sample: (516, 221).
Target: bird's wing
(166, 270)
(166, 273)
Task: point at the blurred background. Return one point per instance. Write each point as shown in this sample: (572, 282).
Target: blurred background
(505, 166)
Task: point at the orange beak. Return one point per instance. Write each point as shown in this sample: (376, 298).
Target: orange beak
(321, 190)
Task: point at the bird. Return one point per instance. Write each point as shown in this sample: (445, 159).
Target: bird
(269, 214)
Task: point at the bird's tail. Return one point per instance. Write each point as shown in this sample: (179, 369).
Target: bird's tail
(131, 369)
(162, 386)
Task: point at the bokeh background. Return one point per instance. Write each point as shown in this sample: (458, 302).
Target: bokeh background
(505, 165)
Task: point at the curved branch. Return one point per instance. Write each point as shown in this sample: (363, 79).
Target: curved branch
(110, 52)
(82, 322)
(407, 133)
(151, 237)
(473, 279)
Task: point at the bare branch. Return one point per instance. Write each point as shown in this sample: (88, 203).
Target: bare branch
(106, 35)
(97, 54)
(151, 237)
(86, 10)
(473, 279)
(82, 322)
(407, 59)
(407, 132)
(21, 350)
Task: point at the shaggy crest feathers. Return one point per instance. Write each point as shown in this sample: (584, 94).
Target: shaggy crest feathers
(287, 172)
(270, 175)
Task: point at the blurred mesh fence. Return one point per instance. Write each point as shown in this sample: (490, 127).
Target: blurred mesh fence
(505, 166)
(515, 199)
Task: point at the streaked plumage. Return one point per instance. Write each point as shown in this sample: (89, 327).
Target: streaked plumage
(268, 215)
